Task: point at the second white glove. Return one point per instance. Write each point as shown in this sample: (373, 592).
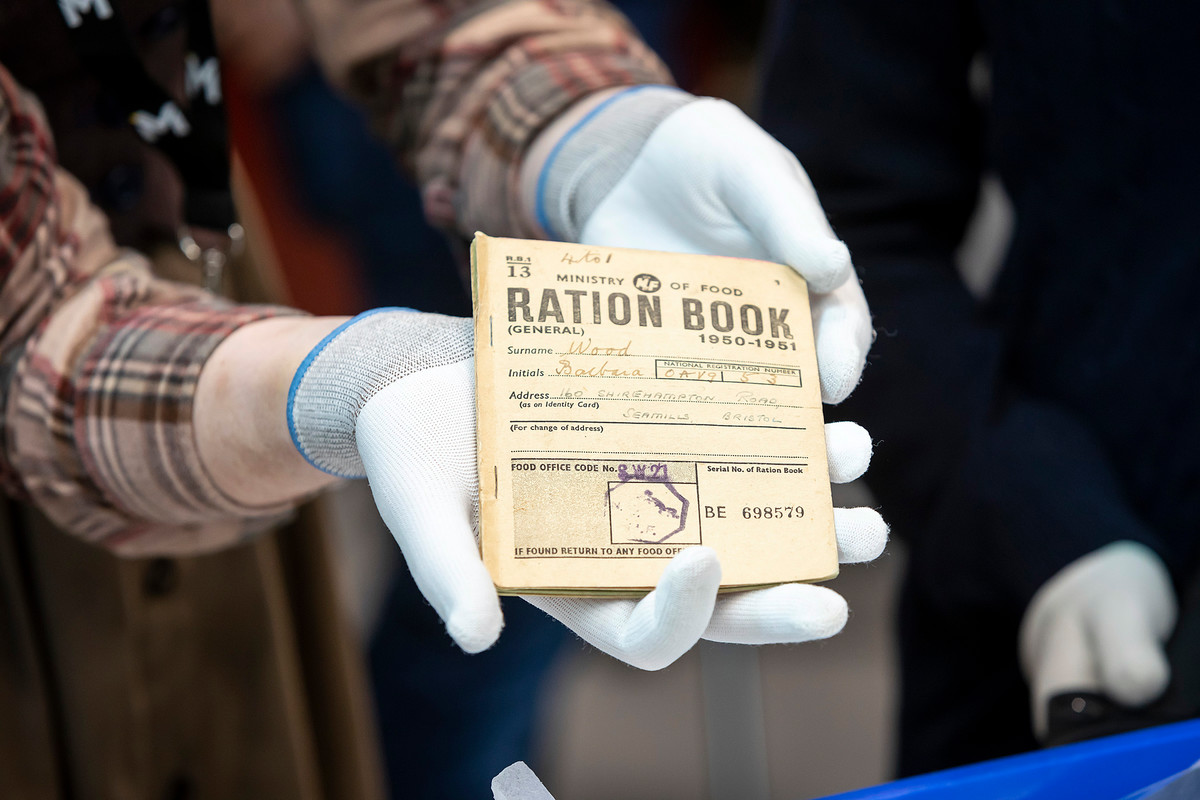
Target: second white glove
(656, 169)
(1100, 625)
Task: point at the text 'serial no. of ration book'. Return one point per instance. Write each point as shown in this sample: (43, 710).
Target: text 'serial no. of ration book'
(632, 404)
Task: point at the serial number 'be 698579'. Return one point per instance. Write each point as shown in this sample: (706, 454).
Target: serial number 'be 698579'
(772, 512)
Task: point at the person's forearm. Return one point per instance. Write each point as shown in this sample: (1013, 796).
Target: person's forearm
(460, 90)
(241, 411)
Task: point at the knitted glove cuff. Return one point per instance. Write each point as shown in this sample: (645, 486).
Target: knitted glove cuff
(353, 363)
(595, 154)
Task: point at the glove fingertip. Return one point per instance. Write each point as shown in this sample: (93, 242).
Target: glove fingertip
(828, 267)
(475, 629)
(698, 564)
(836, 388)
(655, 663)
(862, 534)
(685, 595)
(832, 619)
(840, 364)
(814, 612)
(849, 449)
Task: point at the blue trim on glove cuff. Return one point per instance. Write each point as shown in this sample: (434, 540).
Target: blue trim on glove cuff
(540, 199)
(301, 370)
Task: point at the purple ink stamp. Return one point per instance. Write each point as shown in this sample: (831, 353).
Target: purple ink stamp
(646, 508)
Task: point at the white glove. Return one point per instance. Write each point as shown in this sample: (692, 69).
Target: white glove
(518, 782)
(1099, 625)
(656, 169)
(391, 395)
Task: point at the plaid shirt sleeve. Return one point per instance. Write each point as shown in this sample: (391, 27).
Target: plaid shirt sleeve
(460, 89)
(99, 362)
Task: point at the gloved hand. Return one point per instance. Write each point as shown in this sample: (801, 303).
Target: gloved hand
(391, 395)
(655, 168)
(1099, 625)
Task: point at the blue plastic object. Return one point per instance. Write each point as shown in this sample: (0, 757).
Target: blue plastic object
(1110, 768)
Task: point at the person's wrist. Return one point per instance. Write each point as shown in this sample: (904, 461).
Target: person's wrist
(241, 396)
(577, 159)
(353, 363)
(535, 158)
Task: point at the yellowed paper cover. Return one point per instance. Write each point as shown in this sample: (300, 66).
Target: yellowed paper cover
(634, 403)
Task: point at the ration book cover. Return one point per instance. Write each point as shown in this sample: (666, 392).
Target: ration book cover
(634, 403)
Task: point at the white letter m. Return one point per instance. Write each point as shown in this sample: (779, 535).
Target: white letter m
(169, 118)
(206, 76)
(73, 10)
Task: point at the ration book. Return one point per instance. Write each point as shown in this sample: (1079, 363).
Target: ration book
(634, 403)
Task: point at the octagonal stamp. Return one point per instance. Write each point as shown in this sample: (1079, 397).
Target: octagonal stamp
(653, 512)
